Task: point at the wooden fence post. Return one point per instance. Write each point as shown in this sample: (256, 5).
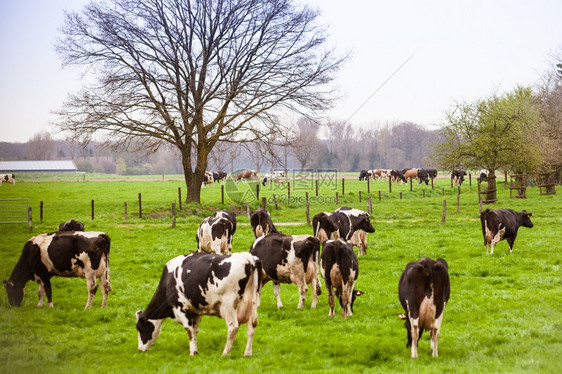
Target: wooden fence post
(423, 193)
(264, 203)
(258, 191)
(222, 193)
(179, 196)
(469, 179)
(444, 211)
(29, 219)
(390, 185)
(410, 184)
(337, 200)
(459, 202)
(140, 205)
(41, 210)
(368, 185)
(480, 203)
(360, 196)
(92, 210)
(343, 186)
(380, 197)
(432, 186)
(173, 213)
(288, 191)
(442, 191)
(275, 201)
(307, 211)
(400, 195)
(316, 187)
(125, 210)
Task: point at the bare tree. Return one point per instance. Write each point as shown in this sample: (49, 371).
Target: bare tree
(192, 73)
(39, 147)
(304, 142)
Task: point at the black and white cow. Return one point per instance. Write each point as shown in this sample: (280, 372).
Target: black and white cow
(201, 284)
(67, 254)
(343, 223)
(8, 178)
(423, 176)
(340, 269)
(458, 176)
(215, 233)
(424, 290)
(289, 259)
(432, 173)
(71, 225)
(261, 223)
(208, 178)
(277, 176)
(219, 176)
(483, 173)
(397, 175)
(364, 175)
(359, 238)
(500, 224)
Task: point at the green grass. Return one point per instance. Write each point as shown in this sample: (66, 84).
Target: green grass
(504, 315)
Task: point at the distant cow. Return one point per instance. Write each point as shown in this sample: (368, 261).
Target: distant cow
(208, 178)
(424, 290)
(340, 224)
(275, 176)
(289, 259)
(340, 269)
(483, 173)
(458, 176)
(359, 238)
(364, 175)
(423, 176)
(432, 173)
(397, 175)
(66, 254)
(71, 225)
(219, 176)
(215, 235)
(500, 224)
(261, 223)
(247, 174)
(411, 173)
(8, 178)
(201, 284)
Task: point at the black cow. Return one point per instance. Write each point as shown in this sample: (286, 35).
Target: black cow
(219, 176)
(261, 223)
(204, 284)
(397, 175)
(424, 290)
(289, 259)
(364, 175)
(432, 173)
(500, 224)
(423, 176)
(67, 254)
(340, 224)
(458, 176)
(340, 269)
(71, 225)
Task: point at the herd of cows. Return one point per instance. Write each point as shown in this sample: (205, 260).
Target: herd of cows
(215, 281)
(423, 175)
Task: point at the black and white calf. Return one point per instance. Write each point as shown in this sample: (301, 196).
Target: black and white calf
(261, 223)
(67, 254)
(424, 290)
(201, 284)
(500, 224)
(340, 270)
(289, 259)
(215, 233)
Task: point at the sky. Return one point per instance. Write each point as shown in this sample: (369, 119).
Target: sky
(409, 60)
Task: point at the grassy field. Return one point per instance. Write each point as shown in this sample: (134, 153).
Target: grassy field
(504, 315)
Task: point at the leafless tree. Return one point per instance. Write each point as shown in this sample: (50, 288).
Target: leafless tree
(192, 73)
(39, 147)
(304, 143)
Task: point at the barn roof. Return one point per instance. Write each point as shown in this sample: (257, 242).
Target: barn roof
(37, 166)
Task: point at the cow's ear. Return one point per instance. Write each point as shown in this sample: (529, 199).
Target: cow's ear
(529, 214)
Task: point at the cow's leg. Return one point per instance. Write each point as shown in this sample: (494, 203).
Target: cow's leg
(303, 289)
(330, 289)
(232, 325)
(414, 332)
(92, 288)
(434, 334)
(105, 287)
(46, 282)
(191, 325)
(250, 330)
(312, 276)
(277, 293)
(511, 241)
(40, 292)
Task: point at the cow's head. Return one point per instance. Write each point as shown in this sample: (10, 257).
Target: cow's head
(15, 293)
(363, 222)
(149, 331)
(354, 294)
(526, 219)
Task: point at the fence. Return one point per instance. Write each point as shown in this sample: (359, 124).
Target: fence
(15, 211)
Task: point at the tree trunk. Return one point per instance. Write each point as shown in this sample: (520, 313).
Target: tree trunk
(193, 179)
(491, 195)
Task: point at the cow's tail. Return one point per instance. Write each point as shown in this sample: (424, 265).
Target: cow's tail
(248, 312)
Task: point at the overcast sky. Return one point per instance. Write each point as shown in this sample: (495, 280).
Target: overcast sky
(431, 54)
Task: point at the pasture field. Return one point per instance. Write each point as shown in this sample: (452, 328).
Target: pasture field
(504, 314)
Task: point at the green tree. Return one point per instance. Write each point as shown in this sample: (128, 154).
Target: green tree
(498, 132)
(193, 73)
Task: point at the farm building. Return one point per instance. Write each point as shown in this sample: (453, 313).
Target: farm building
(60, 166)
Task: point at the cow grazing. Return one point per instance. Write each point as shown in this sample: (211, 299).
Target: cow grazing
(341, 224)
(458, 176)
(432, 173)
(8, 178)
(364, 175)
(66, 254)
(500, 224)
(215, 235)
(219, 176)
(261, 223)
(201, 284)
(424, 290)
(423, 176)
(208, 178)
(359, 238)
(410, 173)
(340, 269)
(247, 174)
(275, 176)
(397, 175)
(289, 259)
(71, 225)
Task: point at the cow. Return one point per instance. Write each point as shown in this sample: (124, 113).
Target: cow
(199, 284)
(424, 291)
(275, 176)
(341, 224)
(247, 174)
(219, 176)
(410, 173)
(500, 224)
(83, 254)
(71, 225)
(359, 238)
(215, 235)
(261, 223)
(9, 178)
(208, 178)
(457, 176)
(483, 173)
(432, 173)
(397, 175)
(289, 259)
(340, 269)
(364, 175)
(423, 176)
(229, 216)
